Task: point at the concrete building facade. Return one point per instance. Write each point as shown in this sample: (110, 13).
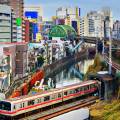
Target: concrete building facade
(21, 59)
(97, 23)
(5, 23)
(17, 6)
(116, 29)
(71, 16)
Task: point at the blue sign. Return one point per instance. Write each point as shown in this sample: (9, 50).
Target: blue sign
(35, 30)
(31, 14)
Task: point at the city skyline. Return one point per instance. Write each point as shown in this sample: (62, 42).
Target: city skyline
(50, 7)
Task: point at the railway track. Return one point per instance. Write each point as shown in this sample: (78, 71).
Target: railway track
(64, 108)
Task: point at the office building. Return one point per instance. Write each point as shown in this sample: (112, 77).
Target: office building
(116, 29)
(5, 23)
(17, 6)
(28, 31)
(21, 59)
(84, 26)
(108, 21)
(97, 23)
(71, 16)
(37, 9)
(13, 27)
(63, 12)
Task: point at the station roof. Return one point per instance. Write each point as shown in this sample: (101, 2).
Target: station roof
(62, 31)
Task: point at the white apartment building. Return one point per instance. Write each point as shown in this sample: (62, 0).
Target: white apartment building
(73, 12)
(96, 23)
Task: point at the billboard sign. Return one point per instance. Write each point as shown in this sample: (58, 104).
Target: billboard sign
(18, 21)
(31, 14)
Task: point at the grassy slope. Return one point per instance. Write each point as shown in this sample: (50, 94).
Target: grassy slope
(106, 111)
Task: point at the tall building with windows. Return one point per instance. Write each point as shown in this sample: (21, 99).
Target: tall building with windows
(5, 23)
(92, 25)
(63, 12)
(97, 23)
(71, 15)
(17, 5)
(37, 9)
(116, 29)
(84, 26)
(108, 21)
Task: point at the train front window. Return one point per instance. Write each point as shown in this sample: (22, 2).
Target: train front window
(5, 106)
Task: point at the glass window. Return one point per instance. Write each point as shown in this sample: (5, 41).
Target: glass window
(31, 102)
(23, 105)
(38, 100)
(76, 90)
(47, 98)
(14, 107)
(65, 93)
(5, 106)
(92, 86)
(59, 95)
(80, 89)
(86, 87)
(71, 92)
(53, 97)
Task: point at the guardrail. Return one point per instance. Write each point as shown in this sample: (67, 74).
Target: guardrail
(114, 64)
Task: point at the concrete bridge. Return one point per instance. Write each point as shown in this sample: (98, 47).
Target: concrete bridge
(93, 40)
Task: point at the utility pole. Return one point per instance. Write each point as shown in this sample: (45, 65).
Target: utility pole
(110, 52)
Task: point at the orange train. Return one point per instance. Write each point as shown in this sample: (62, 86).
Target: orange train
(25, 87)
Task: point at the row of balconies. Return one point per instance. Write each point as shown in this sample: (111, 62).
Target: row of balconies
(5, 18)
(5, 35)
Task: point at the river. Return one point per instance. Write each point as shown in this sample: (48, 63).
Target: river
(70, 75)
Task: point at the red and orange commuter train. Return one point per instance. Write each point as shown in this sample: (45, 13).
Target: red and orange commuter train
(14, 107)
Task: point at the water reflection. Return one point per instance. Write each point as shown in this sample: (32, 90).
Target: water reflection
(73, 74)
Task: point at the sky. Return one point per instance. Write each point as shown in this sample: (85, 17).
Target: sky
(50, 6)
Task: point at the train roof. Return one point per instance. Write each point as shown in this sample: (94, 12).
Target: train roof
(30, 97)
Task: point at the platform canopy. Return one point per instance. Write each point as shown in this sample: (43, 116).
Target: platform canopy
(62, 31)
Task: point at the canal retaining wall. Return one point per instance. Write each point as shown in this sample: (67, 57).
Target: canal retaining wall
(59, 65)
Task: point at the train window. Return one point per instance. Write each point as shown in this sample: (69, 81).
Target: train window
(86, 87)
(5, 106)
(53, 97)
(92, 85)
(23, 105)
(38, 100)
(80, 89)
(31, 102)
(65, 93)
(47, 98)
(76, 90)
(14, 107)
(59, 95)
(71, 91)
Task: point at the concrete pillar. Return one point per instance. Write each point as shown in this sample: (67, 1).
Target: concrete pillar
(106, 91)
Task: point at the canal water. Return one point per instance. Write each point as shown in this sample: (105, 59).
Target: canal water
(72, 74)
